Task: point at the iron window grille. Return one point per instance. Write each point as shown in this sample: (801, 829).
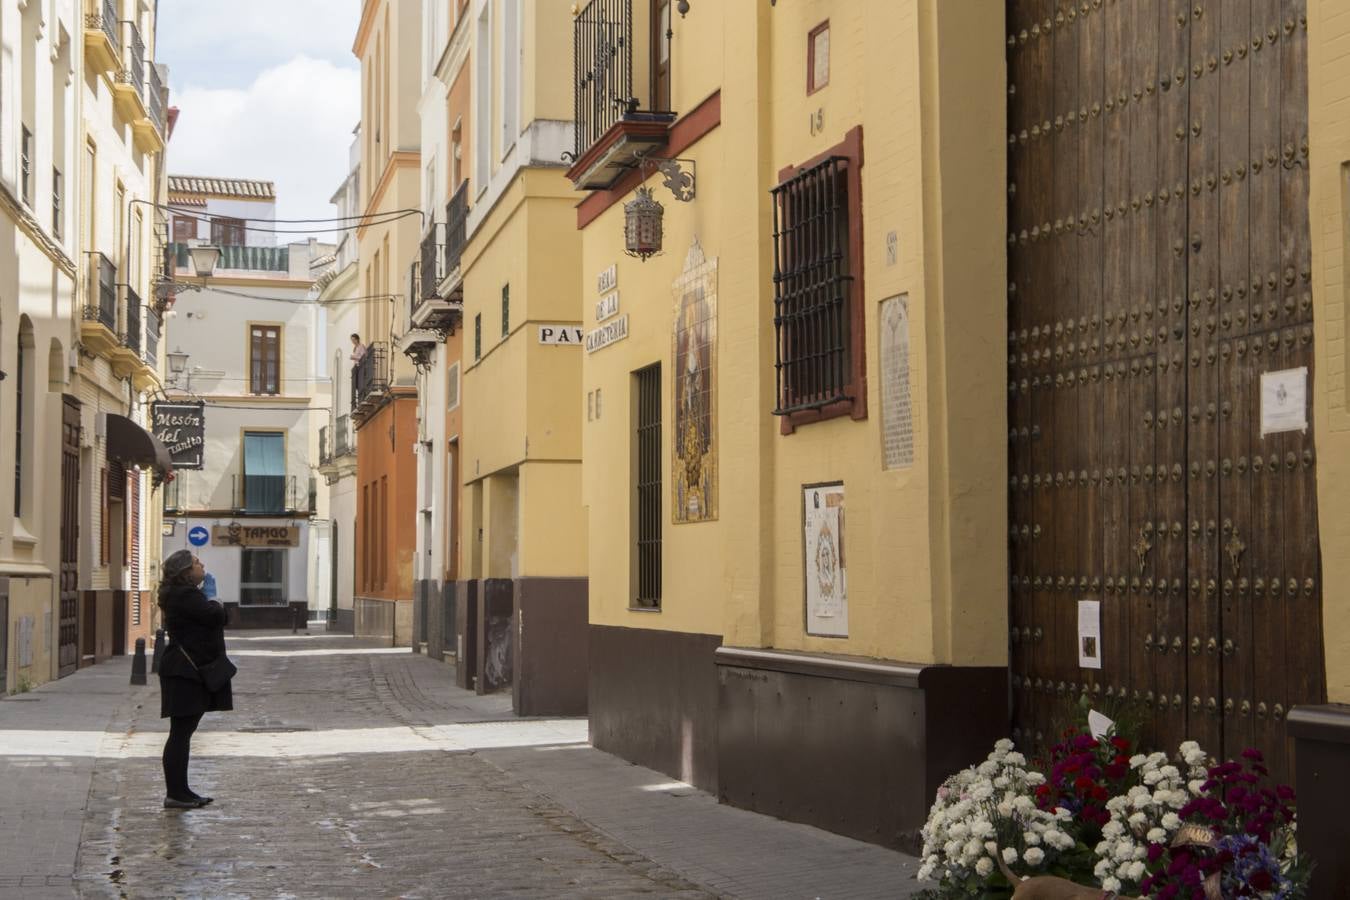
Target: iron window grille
(478, 336)
(649, 489)
(812, 288)
(506, 310)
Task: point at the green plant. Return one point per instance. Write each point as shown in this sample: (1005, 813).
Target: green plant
(24, 684)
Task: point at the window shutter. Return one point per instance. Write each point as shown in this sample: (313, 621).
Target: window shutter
(103, 517)
(134, 505)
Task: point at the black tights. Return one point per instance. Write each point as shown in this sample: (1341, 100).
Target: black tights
(176, 750)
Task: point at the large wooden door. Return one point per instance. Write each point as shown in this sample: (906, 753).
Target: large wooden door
(1159, 272)
(68, 650)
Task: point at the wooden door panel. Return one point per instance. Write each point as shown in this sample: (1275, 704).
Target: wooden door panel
(1158, 266)
(68, 626)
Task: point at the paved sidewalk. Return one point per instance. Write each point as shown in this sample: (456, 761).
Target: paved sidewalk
(349, 769)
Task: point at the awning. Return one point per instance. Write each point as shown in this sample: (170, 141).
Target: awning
(132, 445)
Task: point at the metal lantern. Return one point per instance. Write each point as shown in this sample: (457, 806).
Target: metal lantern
(642, 225)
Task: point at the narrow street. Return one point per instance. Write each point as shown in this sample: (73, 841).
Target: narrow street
(349, 769)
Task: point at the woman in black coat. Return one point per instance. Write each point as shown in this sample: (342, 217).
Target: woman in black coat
(196, 629)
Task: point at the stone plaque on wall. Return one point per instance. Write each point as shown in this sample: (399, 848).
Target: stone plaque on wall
(897, 413)
(694, 390)
(825, 569)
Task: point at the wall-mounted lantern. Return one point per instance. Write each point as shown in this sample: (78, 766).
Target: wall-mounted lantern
(642, 231)
(643, 215)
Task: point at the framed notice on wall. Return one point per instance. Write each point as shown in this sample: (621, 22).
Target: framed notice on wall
(825, 569)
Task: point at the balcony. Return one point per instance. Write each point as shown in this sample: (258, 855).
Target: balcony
(148, 131)
(239, 257)
(150, 352)
(419, 341)
(370, 381)
(102, 37)
(129, 86)
(611, 133)
(438, 305)
(337, 449)
(145, 377)
(98, 325)
(272, 495)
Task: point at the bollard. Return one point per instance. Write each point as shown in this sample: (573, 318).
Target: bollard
(295, 620)
(159, 648)
(138, 663)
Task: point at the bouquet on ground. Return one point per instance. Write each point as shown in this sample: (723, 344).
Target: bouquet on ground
(1137, 824)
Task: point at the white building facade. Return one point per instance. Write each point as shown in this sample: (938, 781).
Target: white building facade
(340, 303)
(249, 349)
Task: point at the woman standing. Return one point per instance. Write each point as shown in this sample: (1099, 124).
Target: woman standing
(196, 629)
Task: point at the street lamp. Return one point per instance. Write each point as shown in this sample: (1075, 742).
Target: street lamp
(177, 362)
(204, 260)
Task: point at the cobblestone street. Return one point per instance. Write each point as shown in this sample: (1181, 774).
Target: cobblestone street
(349, 770)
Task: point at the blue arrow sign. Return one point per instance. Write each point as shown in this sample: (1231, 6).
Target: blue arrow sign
(198, 536)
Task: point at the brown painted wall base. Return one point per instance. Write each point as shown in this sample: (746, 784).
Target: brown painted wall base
(550, 647)
(854, 746)
(495, 602)
(653, 700)
(1322, 759)
(466, 633)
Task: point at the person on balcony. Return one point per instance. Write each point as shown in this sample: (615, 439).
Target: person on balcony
(358, 350)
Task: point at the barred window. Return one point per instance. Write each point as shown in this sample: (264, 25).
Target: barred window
(649, 491)
(817, 309)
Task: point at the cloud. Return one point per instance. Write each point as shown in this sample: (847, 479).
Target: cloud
(291, 125)
(207, 42)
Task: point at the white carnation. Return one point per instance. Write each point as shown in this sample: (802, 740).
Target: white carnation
(985, 867)
(1034, 856)
(1010, 855)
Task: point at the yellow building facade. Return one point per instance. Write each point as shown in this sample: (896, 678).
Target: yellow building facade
(522, 572)
(881, 459)
(847, 555)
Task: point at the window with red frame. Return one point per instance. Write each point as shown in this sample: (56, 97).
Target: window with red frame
(817, 276)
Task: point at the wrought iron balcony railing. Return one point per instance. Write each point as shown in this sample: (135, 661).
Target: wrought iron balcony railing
(602, 44)
(131, 321)
(342, 437)
(456, 230)
(370, 376)
(106, 19)
(433, 262)
(155, 99)
(133, 71)
(150, 352)
(102, 305)
(270, 494)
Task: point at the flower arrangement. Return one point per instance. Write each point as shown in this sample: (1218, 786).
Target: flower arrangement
(1137, 824)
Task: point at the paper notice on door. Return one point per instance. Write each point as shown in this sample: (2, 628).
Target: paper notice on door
(1284, 401)
(1089, 634)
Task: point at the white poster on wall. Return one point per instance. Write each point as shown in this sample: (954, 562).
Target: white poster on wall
(826, 572)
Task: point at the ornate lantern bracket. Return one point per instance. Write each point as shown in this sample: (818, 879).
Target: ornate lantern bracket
(680, 183)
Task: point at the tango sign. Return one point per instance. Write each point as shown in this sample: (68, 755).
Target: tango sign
(181, 428)
(236, 535)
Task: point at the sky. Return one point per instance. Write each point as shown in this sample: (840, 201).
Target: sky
(266, 89)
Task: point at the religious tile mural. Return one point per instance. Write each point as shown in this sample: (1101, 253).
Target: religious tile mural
(694, 390)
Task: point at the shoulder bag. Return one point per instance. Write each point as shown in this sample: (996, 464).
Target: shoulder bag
(215, 674)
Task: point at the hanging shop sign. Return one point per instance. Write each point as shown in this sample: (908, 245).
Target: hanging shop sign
(181, 428)
(236, 535)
